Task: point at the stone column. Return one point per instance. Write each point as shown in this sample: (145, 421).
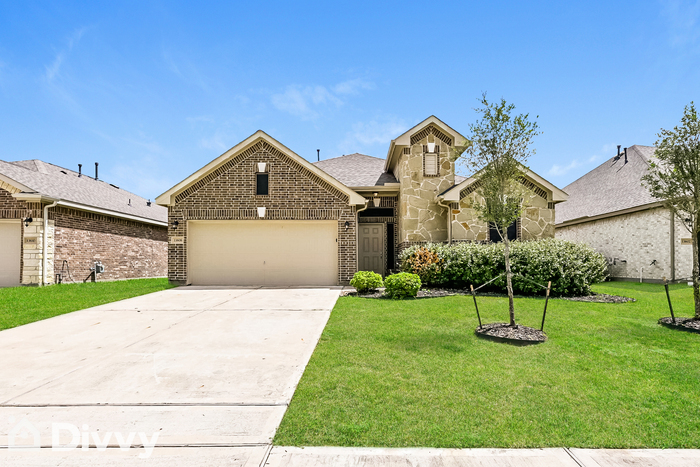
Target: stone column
(32, 257)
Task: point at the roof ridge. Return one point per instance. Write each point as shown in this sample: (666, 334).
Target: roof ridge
(347, 155)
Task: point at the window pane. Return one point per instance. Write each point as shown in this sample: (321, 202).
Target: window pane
(261, 186)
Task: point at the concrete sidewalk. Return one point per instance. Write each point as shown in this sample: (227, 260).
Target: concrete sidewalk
(278, 456)
(415, 457)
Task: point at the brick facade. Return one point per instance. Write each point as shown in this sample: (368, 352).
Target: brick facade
(295, 193)
(632, 242)
(128, 249)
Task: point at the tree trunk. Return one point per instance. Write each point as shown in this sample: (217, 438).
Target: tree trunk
(696, 275)
(509, 282)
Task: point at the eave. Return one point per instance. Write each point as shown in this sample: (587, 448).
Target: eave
(622, 212)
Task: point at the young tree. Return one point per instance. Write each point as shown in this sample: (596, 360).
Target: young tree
(675, 178)
(497, 152)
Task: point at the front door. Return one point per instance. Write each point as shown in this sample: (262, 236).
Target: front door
(371, 248)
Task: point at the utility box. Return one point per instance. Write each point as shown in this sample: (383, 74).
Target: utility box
(99, 268)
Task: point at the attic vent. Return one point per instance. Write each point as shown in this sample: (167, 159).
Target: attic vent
(64, 172)
(115, 186)
(430, 164)
(431, 130)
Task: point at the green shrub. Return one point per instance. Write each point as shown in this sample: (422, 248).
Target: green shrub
(572, 267)
(365, 281)
(402, 285)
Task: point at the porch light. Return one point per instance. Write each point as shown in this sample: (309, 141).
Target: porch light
(175, 224)
(262, 167)
(27, 221)
(347, 225)
(376, 200)
(261, 212)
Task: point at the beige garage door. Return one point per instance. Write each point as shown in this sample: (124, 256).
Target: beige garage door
(262, 252)
(10, 251)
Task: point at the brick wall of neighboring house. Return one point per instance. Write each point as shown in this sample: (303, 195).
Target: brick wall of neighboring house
(126, 248)
(632, 242)
(295, 193)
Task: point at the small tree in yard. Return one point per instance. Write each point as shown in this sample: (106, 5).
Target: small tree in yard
(675, 178)
(497, 152)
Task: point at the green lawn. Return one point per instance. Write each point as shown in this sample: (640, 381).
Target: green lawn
(412, 373)
(22, 305)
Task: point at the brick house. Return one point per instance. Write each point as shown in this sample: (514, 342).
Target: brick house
(262, 215)
(54, 221)
(613, 212)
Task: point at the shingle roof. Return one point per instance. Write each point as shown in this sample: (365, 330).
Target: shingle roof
(610, 187)
(56, 182)
(357, 170)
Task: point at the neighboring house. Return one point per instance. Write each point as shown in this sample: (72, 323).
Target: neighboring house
(612, 211)
(88, 221)
(262, 215)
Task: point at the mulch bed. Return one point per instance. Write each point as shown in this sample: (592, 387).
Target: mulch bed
(436, 292)
(684, 324)
(600, 298)
(516, 335)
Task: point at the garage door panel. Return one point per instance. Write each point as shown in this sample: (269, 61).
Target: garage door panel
(10, 252)
(262, 252)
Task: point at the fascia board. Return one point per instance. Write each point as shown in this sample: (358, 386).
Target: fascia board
(453, 193)
(16, 184)
(557, 194)
(377, 189)
(584, 219)
(34, 197)
(108, 212)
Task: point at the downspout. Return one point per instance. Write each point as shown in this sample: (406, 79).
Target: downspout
(449, 221)
(673, 246)
(44, 259)
(357, 234)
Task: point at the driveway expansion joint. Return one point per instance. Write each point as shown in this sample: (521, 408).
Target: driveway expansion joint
(574, 458)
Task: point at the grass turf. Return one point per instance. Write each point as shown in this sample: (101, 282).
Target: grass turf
(22, 305)
(412, 373)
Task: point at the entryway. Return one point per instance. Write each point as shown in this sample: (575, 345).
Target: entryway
(371, 248)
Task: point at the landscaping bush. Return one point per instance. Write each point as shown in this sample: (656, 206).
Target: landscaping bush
(572, 267)
(366, 281)
(402, 285)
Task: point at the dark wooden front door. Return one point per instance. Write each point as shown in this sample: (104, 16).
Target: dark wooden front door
(371, 248)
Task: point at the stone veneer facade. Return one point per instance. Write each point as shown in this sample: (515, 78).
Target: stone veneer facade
(632, 242)
(421, 218)
(537, 221)
(295, 193)
(128, 249)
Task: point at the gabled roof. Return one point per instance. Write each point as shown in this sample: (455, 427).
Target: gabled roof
(39, 181)
(357, 170)
(612, 186)
(168, 198)
(404, 140)
(453, 193)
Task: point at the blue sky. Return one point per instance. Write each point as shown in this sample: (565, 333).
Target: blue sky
(155, 90)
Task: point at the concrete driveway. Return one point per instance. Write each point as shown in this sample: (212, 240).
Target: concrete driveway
(191, 366)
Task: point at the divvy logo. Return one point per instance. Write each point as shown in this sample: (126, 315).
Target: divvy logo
(25, 436)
